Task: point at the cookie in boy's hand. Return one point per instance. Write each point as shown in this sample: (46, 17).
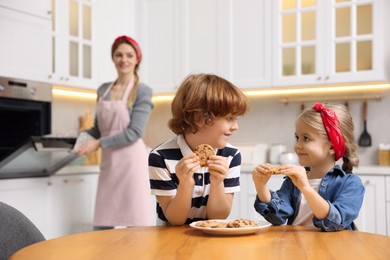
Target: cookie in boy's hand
(275, 169)
(203, 151)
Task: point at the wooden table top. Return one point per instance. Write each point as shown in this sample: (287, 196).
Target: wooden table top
(184, 242)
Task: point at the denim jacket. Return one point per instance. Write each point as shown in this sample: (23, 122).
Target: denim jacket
(344, 193)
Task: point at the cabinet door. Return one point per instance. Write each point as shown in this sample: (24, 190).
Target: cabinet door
(243, 204)
(246, 57)
(160, 33)
(25, 47)
(326, 42)
(298, 42)
(71, 204)
(372, 216)
(39, 8)
(73, 43)
(27, 195)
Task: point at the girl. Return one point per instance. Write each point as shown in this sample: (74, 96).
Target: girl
(321, 194)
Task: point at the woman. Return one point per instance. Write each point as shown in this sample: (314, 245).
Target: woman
(123, 109)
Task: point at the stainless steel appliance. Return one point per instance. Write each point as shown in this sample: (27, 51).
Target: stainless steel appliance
(26, 147)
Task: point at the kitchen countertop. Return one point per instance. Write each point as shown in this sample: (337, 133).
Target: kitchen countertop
(246, 169)
(78, 169)
(362, 170)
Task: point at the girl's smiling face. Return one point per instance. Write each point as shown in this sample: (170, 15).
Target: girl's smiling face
(312, 147)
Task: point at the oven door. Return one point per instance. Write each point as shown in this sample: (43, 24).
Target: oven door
(39, 156)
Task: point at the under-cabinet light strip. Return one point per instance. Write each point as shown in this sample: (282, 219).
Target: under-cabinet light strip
(286, 93)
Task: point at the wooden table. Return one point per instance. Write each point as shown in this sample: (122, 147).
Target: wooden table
(283, 242)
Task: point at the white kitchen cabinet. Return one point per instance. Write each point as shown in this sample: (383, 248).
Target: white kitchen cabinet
(73, 40)
(28, 195)
(25, 47)
(227, 38)
(71, 204)
(243, 204)
(58, 205)
(324, 42)
(372, 216)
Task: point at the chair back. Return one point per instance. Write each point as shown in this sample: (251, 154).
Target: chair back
(16, 231)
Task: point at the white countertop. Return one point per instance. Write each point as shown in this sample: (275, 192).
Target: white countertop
(78, 169)
(362, 170)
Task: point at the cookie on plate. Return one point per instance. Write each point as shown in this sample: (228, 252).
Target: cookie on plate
(203, 151)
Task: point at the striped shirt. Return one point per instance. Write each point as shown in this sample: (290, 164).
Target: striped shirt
(164, 182)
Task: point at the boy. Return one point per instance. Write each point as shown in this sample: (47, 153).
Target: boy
(204, 111)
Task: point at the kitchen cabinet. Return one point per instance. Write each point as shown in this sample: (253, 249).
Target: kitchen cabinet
(324, 42)
(25, 47)
(245, 199)
(58, 205)
(226, 38)
(71, 204)
(372, 217)
(27, 195)
(73, 42)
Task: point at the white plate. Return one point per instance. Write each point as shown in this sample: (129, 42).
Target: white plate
(231, 231)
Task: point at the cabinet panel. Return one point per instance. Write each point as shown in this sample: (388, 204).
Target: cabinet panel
(201, 36)
(249, 44)
(25, 48)
(161, 48)
(27, 195)
(39, 8)
(71, 204)
(372, 216)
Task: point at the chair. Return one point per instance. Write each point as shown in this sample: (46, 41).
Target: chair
(16, 231)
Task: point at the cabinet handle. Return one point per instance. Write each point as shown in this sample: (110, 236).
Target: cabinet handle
(319, 78)
(327, 77)
(73, 180)
(367, 182)
(49, 183)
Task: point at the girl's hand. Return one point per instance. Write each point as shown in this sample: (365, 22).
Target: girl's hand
(186, 167)
(218, 167)
(297, 174)
(261, 174)
(88, 147)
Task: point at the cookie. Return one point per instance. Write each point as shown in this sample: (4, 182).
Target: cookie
(275, 170)
(242, 222)
(203, 151)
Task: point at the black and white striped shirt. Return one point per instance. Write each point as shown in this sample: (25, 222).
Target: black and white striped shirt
(164, 182)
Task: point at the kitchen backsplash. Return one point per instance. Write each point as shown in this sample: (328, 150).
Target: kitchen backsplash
(268, 121)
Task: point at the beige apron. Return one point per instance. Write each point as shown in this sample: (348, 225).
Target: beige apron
(123, 195)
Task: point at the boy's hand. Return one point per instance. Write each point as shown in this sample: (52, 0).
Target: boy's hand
(186, 167)
(218, 167)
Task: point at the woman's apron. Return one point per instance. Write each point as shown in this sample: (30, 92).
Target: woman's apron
(123, 195)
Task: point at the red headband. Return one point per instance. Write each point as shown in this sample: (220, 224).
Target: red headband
(134, 43)
(331, 122)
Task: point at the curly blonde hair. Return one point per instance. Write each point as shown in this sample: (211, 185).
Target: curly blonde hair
(313, 118)
(203, 98)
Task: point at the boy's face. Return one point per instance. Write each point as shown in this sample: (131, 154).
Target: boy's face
(218, 134)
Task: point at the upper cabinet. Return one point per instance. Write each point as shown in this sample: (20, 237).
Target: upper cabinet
(73, 43)
(227, 38)
(25, 47)
(325, 42)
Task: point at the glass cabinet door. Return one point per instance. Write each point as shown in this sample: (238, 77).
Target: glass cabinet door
(72, 41)
(352, 36)
(298, 39)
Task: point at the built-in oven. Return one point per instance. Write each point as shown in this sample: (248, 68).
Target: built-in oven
(26, 147)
